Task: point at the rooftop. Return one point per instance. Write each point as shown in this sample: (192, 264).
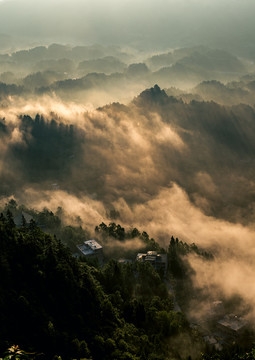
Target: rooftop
(232, 322)
(151, 256)
(93, 244)
(89, 247)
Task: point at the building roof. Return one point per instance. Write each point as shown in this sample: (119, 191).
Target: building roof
(89, 247)
(232, 322)
(152, 253)
(93, 244)
(85, 249)
(152, 256)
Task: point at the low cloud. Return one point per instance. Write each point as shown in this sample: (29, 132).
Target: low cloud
(156, 161)
(171, 212)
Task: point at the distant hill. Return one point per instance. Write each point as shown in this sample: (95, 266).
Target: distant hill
(107, 65)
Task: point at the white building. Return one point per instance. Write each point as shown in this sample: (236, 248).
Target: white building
(158, 261)
(91, 248)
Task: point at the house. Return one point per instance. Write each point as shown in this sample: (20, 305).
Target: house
(232, 324)
(91, 248)
(158, 261)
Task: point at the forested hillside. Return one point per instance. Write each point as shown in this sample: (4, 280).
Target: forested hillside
(194, 145)
(127, 180)
(53, 304)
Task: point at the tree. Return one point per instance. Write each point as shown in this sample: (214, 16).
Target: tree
(10, 220)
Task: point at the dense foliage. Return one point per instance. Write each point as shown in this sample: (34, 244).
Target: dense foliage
(52, 304)
(176, 250)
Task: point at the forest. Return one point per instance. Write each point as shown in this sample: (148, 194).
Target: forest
(54, 304)
(127, 191)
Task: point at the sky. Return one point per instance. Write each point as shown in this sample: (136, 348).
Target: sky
(142, 24)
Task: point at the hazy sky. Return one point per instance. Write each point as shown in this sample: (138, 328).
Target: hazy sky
(145, 24)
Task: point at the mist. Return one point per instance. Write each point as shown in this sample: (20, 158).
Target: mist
(152, 161)
(142, 107)
(144, 25)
